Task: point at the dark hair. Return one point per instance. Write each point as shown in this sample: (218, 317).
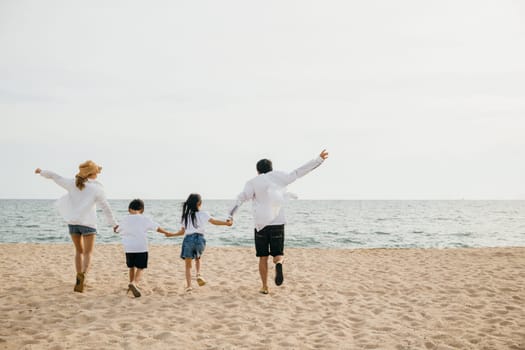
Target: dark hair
(189, 208)
(264, 166)
(136, 204)
(80, 182)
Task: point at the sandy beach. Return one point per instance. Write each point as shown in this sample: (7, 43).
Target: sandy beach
(331, 299)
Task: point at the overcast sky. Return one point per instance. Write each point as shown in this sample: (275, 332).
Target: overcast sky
(413, 99)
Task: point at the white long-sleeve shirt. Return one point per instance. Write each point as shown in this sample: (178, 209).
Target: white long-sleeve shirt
(78, 207)
(267, 191)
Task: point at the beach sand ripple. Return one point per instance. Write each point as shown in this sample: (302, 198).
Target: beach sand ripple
(331, 299)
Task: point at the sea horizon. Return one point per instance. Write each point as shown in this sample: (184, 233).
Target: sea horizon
(310, 223)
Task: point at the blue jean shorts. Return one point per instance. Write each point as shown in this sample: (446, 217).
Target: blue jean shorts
(193, 246)
(81, 230)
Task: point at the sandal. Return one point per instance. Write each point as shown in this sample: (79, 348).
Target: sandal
(264, 291)
(201, 281)
(188, 289)
(134, 290)
(79, 285)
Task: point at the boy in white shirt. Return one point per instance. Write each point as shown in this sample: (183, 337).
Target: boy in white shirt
(134, 231)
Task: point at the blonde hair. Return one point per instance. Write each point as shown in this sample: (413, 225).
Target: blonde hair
(80, 182)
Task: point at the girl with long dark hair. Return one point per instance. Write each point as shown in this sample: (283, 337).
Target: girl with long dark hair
(193, 223)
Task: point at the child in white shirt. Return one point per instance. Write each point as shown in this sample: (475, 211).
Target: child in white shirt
(134, 231)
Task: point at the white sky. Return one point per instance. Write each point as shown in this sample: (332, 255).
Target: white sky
(413, 99)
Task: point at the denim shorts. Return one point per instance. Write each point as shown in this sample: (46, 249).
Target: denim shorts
(193, 246)
(81, 230)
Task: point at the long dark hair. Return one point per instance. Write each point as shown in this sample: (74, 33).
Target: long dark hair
(189, 208)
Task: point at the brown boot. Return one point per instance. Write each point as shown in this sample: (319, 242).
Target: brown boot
(79, 286)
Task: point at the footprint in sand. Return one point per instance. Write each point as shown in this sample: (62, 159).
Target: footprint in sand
(125, 326)
(163, 336)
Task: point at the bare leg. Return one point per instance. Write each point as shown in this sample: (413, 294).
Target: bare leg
(200, 280)
(278, 259)
(138, 276)
(79, 251)
(198, 266)
(188, 272)
(263, 271)
(89, 245)
(79, 261)
(134, 276)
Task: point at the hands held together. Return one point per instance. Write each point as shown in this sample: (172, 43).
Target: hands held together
(228, 222)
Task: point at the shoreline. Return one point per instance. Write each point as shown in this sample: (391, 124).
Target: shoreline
(251, 246)
(365, 298)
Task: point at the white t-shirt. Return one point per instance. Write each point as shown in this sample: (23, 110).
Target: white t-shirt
(134, 231)
(201, 220)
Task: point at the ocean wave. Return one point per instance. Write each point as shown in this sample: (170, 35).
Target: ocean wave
(463, 234)
(382, 233)
(342, 224)
(349, 241)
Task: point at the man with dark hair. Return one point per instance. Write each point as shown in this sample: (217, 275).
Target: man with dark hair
(267, 191)
(264, 166)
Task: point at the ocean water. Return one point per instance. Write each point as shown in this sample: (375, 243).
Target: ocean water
(319, 224)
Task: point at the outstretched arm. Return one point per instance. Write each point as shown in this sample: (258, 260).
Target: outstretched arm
(287, 179)
(228, 222)
(59, 180)
(171, 234)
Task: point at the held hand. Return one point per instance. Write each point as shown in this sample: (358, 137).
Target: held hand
(115, 229)
(229, 222)
(38, 171)
(324, 154)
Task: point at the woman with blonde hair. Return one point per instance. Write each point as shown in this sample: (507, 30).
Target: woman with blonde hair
(78, 208)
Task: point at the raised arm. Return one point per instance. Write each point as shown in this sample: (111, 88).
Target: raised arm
(59, 180)
(288, 178)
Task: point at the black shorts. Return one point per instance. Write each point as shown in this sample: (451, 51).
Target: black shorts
(138, 260)
(269, 241)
